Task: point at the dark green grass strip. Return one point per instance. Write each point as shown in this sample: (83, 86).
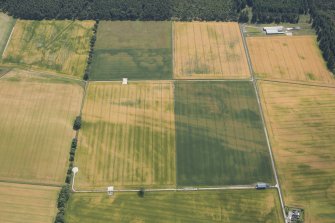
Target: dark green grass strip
(220, 138)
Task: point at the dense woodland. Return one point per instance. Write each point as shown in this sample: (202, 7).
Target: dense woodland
(223, 10)
(324, 24)
(269, 11)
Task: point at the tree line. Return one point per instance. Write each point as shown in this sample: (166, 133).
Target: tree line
(324, 25)
(65, 192)
(221, 10)
(269, 11)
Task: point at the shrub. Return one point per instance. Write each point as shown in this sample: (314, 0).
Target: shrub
(77, 123)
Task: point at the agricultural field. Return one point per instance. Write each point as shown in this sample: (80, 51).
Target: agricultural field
(219, 135)
(37, 113)
(294, 58)
(6, 26)
(127, 136)
(60, 46)
(230, 206)
(209, 50)
(300, 121)
(133, 49)
(27, 203)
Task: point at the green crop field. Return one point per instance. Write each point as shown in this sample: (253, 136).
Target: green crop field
(37, 113)
(229, 206)
(128, 136)
(133, 49)
(27, 203)
(219, 135)
(60, 46)
(6, 26)
(301, 126)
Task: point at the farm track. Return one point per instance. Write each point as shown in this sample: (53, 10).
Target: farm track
(185, 189)
(254, 81)
(8, 40)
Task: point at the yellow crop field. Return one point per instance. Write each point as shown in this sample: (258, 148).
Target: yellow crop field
(296, 58)
(127, 136)
(301, 124)
(60, 46)
(36, 118)
(209, 50)
(27, 203)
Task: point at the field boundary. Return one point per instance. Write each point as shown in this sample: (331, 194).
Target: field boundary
(30, 183)
(254, 81)
(4, 74)
(178, 80)
(311, 84)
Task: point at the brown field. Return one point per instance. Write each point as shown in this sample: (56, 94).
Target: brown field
(60, 46)
(36, 118)
(128, 136)
(209, 50)
(301, 125)
(296, 58)
(27, 203)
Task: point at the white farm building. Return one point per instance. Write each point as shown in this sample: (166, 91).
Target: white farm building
(274, 30)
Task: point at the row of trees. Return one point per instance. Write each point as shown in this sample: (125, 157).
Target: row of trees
(90, 54)
(222, 10)
(325, 29)
(65, 193)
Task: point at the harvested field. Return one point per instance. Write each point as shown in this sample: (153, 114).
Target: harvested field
(220, 138)
(128, 136)
(229, 206)
(6, 26)
(37, 113)
(26, 203)
(133, 49)
(296, 58)
(209, 50)
(301, 124)
(60, 46)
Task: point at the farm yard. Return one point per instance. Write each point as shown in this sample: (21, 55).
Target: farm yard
(294, 58)
(27, 203)
(37, 112)
(60, 46)
(133, 49)
(300, 120)
(213, 125)
(209, 50)
(128, 136)
(219, 135)
(231, 206)
(6, 25)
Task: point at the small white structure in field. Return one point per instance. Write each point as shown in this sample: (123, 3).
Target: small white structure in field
(110, 190)
(124, 81)
(274, 30)
(75, 170)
